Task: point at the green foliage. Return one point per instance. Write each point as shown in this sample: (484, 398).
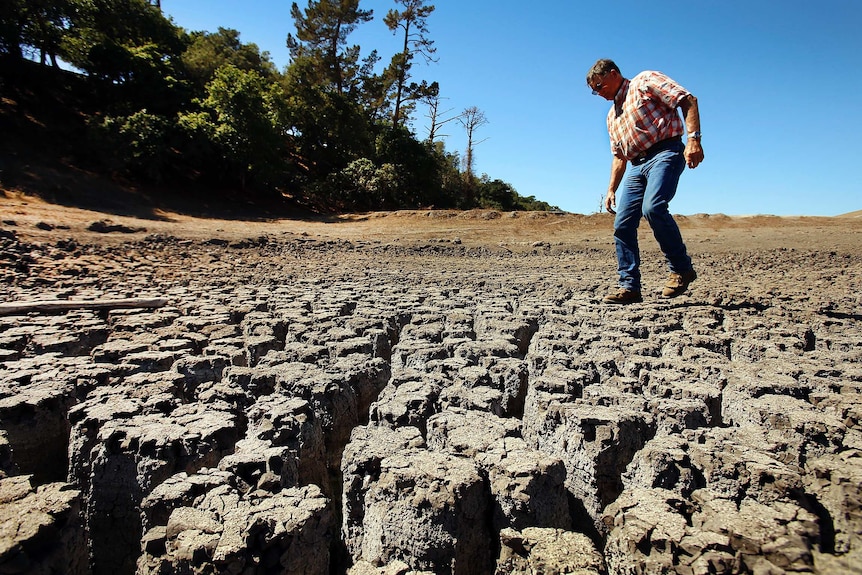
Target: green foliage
(132, 50)
(323, 88)
(122, 40)
(363, 185)
(12, 21)
(329, 128)
(418, 164)
(168, 106)
(41, 26)
(322, 30)
(243, 115)
(208, 52)
(498, 195)
(136, 144)
(33, 27)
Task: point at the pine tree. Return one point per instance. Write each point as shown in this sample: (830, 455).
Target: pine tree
(412, 20)
(322, 29)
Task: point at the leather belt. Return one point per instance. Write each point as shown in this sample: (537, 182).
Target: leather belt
(656, 148)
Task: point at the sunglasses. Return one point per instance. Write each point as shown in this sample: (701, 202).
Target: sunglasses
(599, 85)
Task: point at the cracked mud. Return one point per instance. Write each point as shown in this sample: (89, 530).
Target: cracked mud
(339, 400)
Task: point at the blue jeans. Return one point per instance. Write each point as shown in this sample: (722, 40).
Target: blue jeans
(649, 187)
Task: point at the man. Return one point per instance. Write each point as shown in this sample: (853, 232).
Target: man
(646, 130)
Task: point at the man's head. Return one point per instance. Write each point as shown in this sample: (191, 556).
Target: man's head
(604, 79)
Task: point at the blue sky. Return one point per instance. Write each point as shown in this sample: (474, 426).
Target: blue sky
(779, 85)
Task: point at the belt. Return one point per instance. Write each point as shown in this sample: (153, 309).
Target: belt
(656, 148)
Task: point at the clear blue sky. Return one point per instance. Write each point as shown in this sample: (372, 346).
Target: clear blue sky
(779, 84)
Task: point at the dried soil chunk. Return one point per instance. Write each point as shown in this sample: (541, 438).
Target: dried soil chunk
(41, 531)
(429, 510)
(547, 551)
(227, 532)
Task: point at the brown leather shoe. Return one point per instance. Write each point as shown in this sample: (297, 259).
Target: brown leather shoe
(677, 283)
(624, 297)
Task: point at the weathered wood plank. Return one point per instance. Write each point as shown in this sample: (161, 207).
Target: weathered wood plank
(45, 306)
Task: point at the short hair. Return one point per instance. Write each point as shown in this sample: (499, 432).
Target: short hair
(602, 67)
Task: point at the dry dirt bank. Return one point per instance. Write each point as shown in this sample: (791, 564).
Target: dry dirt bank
(427, 392)
(36, 219)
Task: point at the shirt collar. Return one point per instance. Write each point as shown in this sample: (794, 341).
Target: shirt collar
(620, 96)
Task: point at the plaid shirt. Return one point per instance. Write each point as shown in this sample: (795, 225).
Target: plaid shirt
(644, 113)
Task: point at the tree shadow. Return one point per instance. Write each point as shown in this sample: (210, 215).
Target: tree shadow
(72, 187)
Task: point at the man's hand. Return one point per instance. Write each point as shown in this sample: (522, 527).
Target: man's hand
(618, 170)
(611, 202)
(693, 153)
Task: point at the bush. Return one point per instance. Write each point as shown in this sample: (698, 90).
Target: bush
(137, 145)
(499, 195)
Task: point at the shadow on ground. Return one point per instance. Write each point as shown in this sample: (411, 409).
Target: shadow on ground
(72, 187)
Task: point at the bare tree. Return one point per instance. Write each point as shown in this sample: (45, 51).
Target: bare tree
(434, 115)
(471, 118)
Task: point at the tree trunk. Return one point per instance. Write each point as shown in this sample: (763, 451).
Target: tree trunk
(402, 74)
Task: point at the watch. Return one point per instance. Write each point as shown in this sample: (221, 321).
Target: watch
(695, 135)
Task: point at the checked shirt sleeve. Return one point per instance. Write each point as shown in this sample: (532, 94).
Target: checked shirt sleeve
(668, 91)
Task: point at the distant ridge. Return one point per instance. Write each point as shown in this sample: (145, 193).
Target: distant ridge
(856, 214)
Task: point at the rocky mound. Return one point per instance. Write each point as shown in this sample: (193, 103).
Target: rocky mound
(309, 406)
